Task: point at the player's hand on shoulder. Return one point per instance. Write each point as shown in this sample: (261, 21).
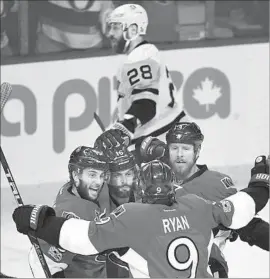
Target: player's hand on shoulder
(152, 148)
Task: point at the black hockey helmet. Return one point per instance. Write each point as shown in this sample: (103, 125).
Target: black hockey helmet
(87, 157)
(185, 132)
(124, 161)
(157, 182)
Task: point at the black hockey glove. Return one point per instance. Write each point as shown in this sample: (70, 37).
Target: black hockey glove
(111, 142)
(256, 232)
(260, 172)
(39, 221)
(151, 149)
(261, 165)
(258, 187)
(29, 217)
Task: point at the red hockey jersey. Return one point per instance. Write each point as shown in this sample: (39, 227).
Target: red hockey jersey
(74, 265)
(165, 241)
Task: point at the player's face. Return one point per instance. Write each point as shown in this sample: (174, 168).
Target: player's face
(121, 183)
(91, 182)
(182, 158)
(115, 34)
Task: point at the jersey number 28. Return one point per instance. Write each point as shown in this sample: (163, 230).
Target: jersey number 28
(193, 255)
(145, 73)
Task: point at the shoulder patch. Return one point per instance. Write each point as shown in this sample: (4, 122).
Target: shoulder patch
(69, 215)
(226, 205)
(118, 211)
(101, 217)
(227, 182)
(99, 214)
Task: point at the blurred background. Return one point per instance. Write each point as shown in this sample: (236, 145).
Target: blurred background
(45, 29)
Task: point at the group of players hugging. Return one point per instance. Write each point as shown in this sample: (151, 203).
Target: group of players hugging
(164, 216)
(138, 206)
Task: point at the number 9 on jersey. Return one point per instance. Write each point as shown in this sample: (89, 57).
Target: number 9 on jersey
(193, 255)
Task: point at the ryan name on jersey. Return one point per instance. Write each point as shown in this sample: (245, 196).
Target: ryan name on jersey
(175, 224)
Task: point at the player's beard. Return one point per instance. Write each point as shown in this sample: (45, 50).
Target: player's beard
(118, 46)
(89, 192)
(183, 169)
(120, 191)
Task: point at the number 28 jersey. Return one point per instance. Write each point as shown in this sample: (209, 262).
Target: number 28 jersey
(143, 76)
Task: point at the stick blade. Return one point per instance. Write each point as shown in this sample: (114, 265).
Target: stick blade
(6, 90)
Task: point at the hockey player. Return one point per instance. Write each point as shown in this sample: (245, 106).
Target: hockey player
(86, 197)
(123, 188)
(169, 237)
(121, 182)
(181, 151)
(146, 102)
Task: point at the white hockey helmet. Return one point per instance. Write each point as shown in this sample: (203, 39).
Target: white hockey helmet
(129, 14)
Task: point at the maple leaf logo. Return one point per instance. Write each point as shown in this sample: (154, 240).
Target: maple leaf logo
(207, 93)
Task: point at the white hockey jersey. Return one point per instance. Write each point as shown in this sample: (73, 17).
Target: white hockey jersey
(144, 76)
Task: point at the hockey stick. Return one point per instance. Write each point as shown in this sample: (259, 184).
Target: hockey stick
(99, 122)
(6, 90)
(5, 93)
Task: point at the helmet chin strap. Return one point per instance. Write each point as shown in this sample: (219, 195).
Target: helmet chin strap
(126, 46)
(128, 41)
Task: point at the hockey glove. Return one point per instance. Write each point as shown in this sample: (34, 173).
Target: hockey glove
(256, 232)
(38, 220)
(260, 172)
(152, 148)
(258, 187)
(30, 217)
(111, 141)
(261, 165)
